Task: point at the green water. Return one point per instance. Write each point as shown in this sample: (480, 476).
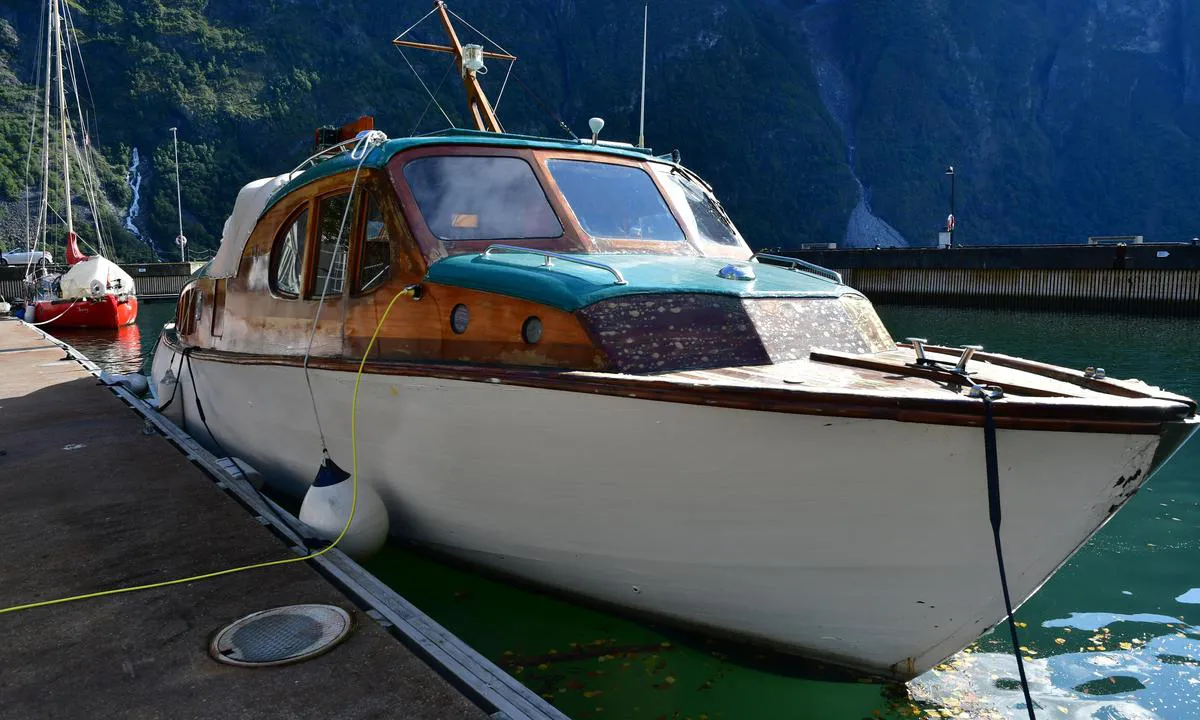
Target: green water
(1118, 593)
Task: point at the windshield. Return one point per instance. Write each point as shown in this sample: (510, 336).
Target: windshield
(481, 198)
(615, 201)
(700, 210)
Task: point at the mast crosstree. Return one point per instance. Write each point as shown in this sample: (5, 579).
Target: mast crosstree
(470, 60)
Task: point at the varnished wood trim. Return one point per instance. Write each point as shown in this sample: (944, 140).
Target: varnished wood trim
(1015, 414)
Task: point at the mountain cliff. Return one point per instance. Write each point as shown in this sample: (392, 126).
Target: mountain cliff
(816, 121)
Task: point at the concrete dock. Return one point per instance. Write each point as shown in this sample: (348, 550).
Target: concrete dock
(93, 496)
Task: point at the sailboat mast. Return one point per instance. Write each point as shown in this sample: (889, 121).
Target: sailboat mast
(62, 114)
(43, 220)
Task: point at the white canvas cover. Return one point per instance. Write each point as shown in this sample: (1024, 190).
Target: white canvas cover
(249, 205)
(94, 277)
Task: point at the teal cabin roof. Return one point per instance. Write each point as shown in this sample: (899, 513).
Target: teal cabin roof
(380, 155)
(569, 286)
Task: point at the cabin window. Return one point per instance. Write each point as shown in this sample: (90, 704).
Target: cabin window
(616, 202)
(288, 258)
(699, 210)
(481, 198)
(335, 227)
(376, 250)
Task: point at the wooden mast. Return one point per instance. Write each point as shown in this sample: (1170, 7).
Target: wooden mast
(477, 101)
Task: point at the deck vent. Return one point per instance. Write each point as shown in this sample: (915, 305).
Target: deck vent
(280, 636)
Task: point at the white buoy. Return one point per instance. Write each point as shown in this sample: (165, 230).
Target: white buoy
(135, 383)
(326, 507)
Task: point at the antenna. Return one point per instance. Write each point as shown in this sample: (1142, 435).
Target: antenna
(645, 36)
(181, 241)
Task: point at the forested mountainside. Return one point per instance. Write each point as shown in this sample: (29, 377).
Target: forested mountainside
(816, 120)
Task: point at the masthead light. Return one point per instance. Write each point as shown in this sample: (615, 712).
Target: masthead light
(472, 59)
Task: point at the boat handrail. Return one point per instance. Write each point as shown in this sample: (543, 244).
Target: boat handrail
(324, 153)
(802, 266)
(552, 256)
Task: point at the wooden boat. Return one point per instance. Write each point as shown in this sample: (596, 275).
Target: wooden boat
(589, 381)
(94, 292)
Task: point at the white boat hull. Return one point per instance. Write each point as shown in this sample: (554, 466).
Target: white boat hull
(864, 542)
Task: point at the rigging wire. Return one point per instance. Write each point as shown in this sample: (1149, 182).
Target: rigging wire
(37, 74)
(87, 170)
(417, 75)
(362, 149)
(423, 85)
(450, 67)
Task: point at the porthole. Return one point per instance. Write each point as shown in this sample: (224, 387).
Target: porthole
(531, 331)
(460, 318)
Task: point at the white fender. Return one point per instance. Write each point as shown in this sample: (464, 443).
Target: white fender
(325, 509)
(135, 383)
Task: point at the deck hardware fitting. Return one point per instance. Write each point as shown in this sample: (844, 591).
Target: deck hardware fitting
(918, 347)
(968, 352)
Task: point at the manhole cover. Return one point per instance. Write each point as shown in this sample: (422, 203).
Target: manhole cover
(281, 635)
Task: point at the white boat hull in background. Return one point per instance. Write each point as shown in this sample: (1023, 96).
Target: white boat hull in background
(864, 542)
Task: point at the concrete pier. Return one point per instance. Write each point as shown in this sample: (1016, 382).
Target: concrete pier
(93, 496)
(1141, 279)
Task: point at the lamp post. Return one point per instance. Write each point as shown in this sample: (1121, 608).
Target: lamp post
(180, 240)
(950, 221)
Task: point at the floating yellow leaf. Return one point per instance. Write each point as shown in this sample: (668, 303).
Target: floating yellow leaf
(1060, 641)
(1126, 646)
(1021, 624)
(670, 679)
(544, 666)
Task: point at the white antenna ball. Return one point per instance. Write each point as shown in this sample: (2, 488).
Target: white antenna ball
(596, 125)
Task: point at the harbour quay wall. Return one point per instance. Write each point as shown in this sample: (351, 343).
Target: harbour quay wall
(1150, 279)
(154, 281)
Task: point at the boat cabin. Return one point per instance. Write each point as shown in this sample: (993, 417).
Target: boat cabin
(523, 252)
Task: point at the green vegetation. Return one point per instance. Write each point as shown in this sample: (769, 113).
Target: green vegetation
(1063, 120)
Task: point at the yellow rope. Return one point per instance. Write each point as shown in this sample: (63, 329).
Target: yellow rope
(407, 292)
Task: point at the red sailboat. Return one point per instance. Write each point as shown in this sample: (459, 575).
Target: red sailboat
(94, 292)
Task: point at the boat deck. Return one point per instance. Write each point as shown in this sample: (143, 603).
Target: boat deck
(92, 497)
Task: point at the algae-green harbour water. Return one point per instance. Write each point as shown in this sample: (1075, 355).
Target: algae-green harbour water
(1115, 634)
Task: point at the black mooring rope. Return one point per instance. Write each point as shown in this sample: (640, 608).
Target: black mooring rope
(993, 486)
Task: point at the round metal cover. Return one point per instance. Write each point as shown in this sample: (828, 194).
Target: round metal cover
(281, 635)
